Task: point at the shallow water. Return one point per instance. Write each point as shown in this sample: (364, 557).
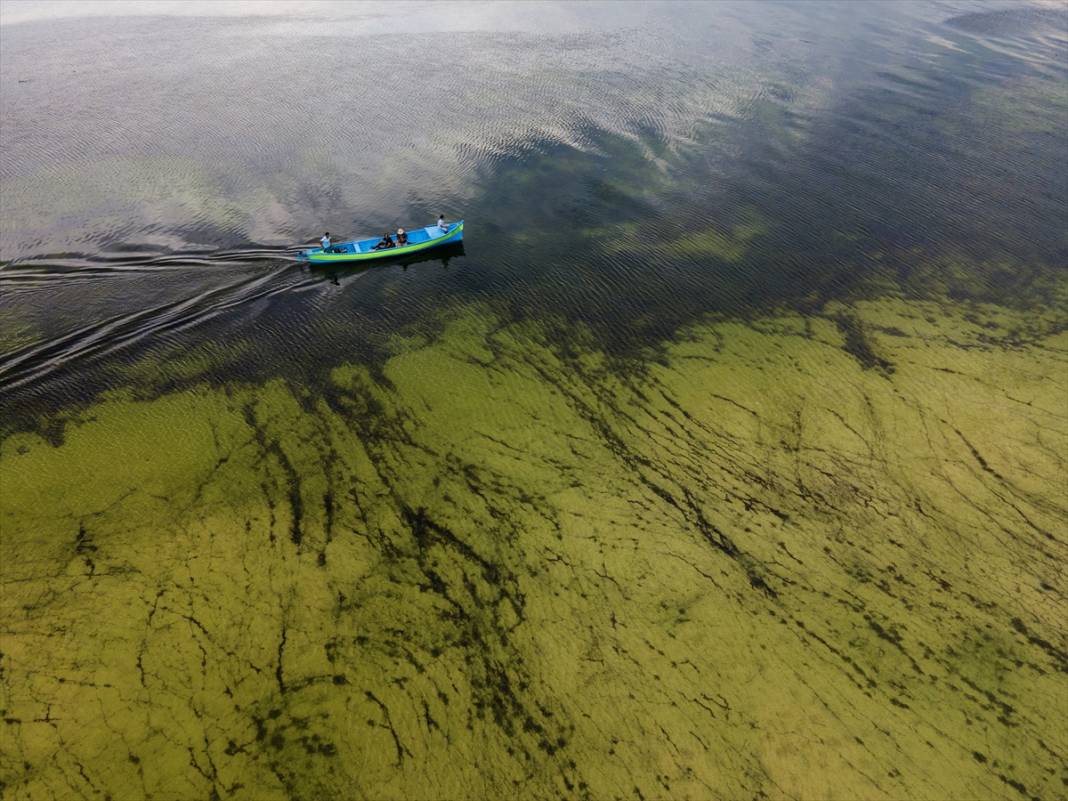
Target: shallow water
(726, 458)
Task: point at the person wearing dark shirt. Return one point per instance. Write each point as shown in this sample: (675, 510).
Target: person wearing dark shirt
(387, 242)
(402, 237)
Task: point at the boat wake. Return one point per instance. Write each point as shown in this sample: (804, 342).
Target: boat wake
(259, 272)
(76, 267)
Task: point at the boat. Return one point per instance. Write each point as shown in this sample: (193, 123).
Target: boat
(419, 239)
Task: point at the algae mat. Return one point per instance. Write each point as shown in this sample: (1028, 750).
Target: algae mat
(799, 557)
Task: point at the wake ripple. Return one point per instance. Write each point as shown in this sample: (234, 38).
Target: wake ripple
(34, 362)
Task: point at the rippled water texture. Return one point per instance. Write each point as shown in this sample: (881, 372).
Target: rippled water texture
(725, 459)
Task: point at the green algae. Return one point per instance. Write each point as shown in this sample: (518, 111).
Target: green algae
(1022, 107)
(729, 244)
(178, 364)
(796, 557)
(712, 243)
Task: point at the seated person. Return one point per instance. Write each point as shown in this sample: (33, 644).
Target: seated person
(402, 237)
(387, 242)
(442, 225)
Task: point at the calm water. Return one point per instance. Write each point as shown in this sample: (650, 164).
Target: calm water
(724, 460)
(159, 171)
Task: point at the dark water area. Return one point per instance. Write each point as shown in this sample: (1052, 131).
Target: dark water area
(159, 172)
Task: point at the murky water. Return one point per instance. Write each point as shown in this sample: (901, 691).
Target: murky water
(725, 459)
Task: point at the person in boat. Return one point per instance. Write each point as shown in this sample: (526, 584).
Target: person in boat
(387, 242)
(325, 242)
(402, 237)
(442, 225)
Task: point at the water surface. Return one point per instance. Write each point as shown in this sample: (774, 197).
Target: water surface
(725, 459)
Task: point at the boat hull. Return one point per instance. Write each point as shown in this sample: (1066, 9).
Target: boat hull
(350, 252)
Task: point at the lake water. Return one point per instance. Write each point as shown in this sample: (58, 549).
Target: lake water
(725, 459)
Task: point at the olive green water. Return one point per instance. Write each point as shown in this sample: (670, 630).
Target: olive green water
(727, 461)
(802, 557)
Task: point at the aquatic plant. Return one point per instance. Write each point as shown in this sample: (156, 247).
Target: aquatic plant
(499, 567)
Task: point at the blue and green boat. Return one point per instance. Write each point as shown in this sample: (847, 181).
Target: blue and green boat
(419, 240)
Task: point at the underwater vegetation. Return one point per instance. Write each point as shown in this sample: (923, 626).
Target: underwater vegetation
(728, 461)
(799, 556)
